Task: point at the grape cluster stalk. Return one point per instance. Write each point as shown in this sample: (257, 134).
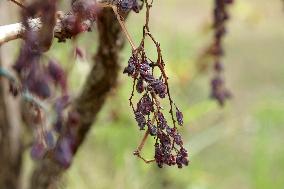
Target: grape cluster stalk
(148, 112)
(220, 14)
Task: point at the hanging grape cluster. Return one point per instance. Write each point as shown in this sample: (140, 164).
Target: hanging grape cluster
(40, 77)
(218, 89)
(148, 112)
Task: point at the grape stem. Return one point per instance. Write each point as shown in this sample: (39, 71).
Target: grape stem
(19, 4)
(160, 62)
(132, 95)
(123, 27)
(140, 147)
(143, 141)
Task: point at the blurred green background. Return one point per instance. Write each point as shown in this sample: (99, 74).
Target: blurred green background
(239, 146)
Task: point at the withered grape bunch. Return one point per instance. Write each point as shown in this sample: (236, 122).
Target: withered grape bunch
(148, 112)
(220, 15)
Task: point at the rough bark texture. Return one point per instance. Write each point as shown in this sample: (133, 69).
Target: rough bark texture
(10, 146)
(100, 81)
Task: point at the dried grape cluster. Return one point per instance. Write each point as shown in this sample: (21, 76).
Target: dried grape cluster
(218, 89)
(148, 111)
(127, 5)
(40, 77)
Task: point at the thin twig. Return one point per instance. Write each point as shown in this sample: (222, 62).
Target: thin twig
(19, 4)
(137, 152)
(124, 29)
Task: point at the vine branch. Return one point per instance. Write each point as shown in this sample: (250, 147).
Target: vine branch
(16, 31)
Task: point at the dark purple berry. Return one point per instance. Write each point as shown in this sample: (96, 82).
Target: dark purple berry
(139, 117)
(179, 117)
(218, 90)
(38, 150)
(218, 67)
(127, 5)
(178, 139)
(132, 63)
(145, 105)
(49, 139)
(63, 152)
(159, 88)
(57, 73)
(140, 85)
(162, 124)
(152, 128)
(146, 72)
(40, 87)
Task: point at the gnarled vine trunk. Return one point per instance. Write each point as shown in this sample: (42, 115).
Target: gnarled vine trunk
(10, 144)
